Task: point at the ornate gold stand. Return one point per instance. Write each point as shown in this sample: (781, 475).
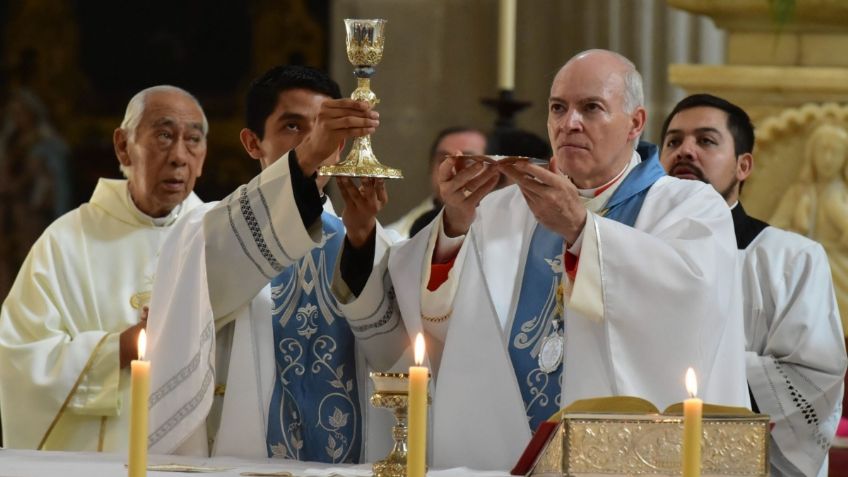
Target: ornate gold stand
(364, 40)
(394, 465)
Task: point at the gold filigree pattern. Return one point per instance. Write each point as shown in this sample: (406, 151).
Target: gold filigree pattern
(365, 40)
(362, 170)
(651, 445)
(363, 92)
(394, 464)
(550, 461)
(366, 53)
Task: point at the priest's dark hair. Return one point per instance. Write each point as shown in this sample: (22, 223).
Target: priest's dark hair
(738, 122)
(434, 146)
(262, 94)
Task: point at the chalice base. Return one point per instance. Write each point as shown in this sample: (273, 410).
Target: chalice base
(394, 465)
(361, 170)
(361, 162)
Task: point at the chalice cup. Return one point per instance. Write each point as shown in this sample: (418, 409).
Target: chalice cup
(364, 40)
(390, 392)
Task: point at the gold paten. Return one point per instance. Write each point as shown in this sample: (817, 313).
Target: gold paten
(365, 40)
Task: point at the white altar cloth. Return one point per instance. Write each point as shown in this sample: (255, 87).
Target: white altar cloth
(30, 463)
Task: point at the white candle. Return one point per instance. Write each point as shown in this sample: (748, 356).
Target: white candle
(140, 389)
(418, 376)
(506, 44)
(692, 413)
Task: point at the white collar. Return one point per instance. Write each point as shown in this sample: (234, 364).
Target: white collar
(590, 193)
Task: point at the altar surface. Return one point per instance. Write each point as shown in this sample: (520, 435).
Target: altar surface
(29, 463)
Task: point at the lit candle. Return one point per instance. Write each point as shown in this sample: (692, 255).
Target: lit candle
(417, 412)
(506, 45)
(692, 410)
(140, 383)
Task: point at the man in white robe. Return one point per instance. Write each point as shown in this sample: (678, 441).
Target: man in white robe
(448, 141)
(68, 328)
(241, 308)
(516, 331)
(795, 356)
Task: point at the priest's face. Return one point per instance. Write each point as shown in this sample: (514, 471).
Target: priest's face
(699, 146)
(287, 126)
(591, 133)
(164, 157)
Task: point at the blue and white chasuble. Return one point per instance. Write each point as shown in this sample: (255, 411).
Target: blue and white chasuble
(536, 312)
(314, 413)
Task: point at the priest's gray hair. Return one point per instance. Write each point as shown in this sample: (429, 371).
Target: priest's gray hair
(634, 91)
(135, 110)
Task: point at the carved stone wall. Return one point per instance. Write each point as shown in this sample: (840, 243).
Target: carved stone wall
(801, 181)
(772, 66)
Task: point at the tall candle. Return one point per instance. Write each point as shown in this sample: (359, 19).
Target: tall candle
(140, 382)
(692, 412)
(506, 44)
(418, 375)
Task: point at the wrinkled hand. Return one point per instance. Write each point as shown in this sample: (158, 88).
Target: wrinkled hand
(337, 121)
(128, 340)
(551, 196)
(462, 191)
(362, 203)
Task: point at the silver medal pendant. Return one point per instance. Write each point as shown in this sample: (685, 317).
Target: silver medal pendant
(550, 353)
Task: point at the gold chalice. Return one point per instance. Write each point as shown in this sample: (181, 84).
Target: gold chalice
(390, 392)
(364, 40)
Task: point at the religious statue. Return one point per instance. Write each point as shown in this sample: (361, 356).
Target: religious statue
(817, 205)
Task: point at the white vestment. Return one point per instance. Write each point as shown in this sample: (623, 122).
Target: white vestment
(82, 284)
(796, 356)
(648, 301)
(214, 271)
(404, 224)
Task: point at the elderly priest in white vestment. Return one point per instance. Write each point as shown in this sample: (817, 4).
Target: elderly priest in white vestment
(68, 327)
(597, 276)
(795, 352)
(250, 354)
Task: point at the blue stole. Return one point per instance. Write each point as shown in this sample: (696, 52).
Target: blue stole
(314, 413)
(536, 309)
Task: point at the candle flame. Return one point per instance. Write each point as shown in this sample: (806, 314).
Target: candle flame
(419, 349)
(142, 344)
(691, 383)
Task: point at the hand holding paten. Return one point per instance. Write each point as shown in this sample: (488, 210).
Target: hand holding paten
(462, 189)
(362, 203)
(551, 196)
(337, 121)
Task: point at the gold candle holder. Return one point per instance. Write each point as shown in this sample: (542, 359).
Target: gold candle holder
(364, 40)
